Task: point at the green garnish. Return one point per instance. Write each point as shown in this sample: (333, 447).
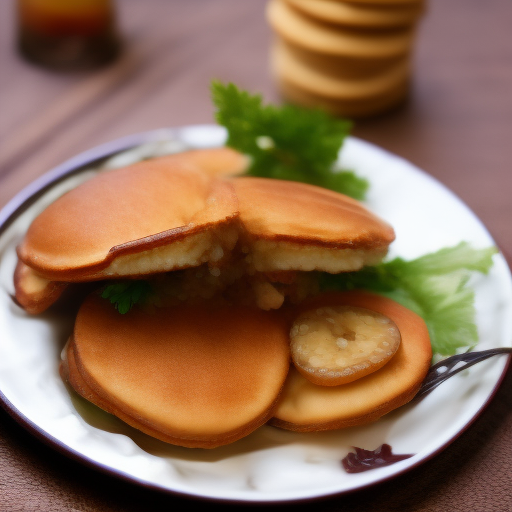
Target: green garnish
(125, 294)
(286, 142)
(434, 286)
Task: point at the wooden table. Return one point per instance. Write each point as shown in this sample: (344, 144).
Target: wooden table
(457, 127)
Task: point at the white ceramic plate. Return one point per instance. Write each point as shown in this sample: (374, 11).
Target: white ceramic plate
(270, 464)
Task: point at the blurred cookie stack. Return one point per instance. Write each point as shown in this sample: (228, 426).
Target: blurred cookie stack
(352, 58)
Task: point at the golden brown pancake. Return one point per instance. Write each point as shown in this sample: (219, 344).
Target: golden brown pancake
(152, 216)
(195, 376)
(296, 226)
(307, 407)
(303, 31)
(375, 15)
(165, 214)
(35, 293)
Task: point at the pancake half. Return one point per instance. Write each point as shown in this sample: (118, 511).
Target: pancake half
(150, 217)
(296, 226)
(195, 376)
(307, 407)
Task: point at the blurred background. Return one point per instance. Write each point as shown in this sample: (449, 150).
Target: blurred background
(161, 56)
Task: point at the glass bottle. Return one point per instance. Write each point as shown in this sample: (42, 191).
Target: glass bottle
(67, 34)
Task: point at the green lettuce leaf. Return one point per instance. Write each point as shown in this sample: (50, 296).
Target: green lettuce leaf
(434, 285)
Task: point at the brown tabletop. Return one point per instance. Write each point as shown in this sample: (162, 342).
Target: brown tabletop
(457, 126)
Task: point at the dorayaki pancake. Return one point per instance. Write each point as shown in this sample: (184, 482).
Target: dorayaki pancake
(296, 226)
(328, 83)
(195, 376)
(150, 217)
(307, 407)
(375, 15)
(350, 108)
(165, 215)
(311, 34)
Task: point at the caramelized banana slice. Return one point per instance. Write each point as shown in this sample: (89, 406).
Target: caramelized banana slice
(307, 407)
(336, 345)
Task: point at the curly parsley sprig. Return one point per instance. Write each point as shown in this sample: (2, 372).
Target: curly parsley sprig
(286, 142)
(125, 294)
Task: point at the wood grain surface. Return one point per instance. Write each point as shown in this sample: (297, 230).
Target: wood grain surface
(457, 126)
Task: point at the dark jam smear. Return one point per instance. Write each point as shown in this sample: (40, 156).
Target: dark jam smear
(364, 460)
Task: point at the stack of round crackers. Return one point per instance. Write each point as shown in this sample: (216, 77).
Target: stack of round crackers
(352, 58)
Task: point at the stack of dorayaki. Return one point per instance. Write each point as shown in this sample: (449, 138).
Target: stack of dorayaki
(228, 340)
(352, 58)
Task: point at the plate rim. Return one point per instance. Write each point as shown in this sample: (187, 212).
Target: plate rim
(28, 194)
